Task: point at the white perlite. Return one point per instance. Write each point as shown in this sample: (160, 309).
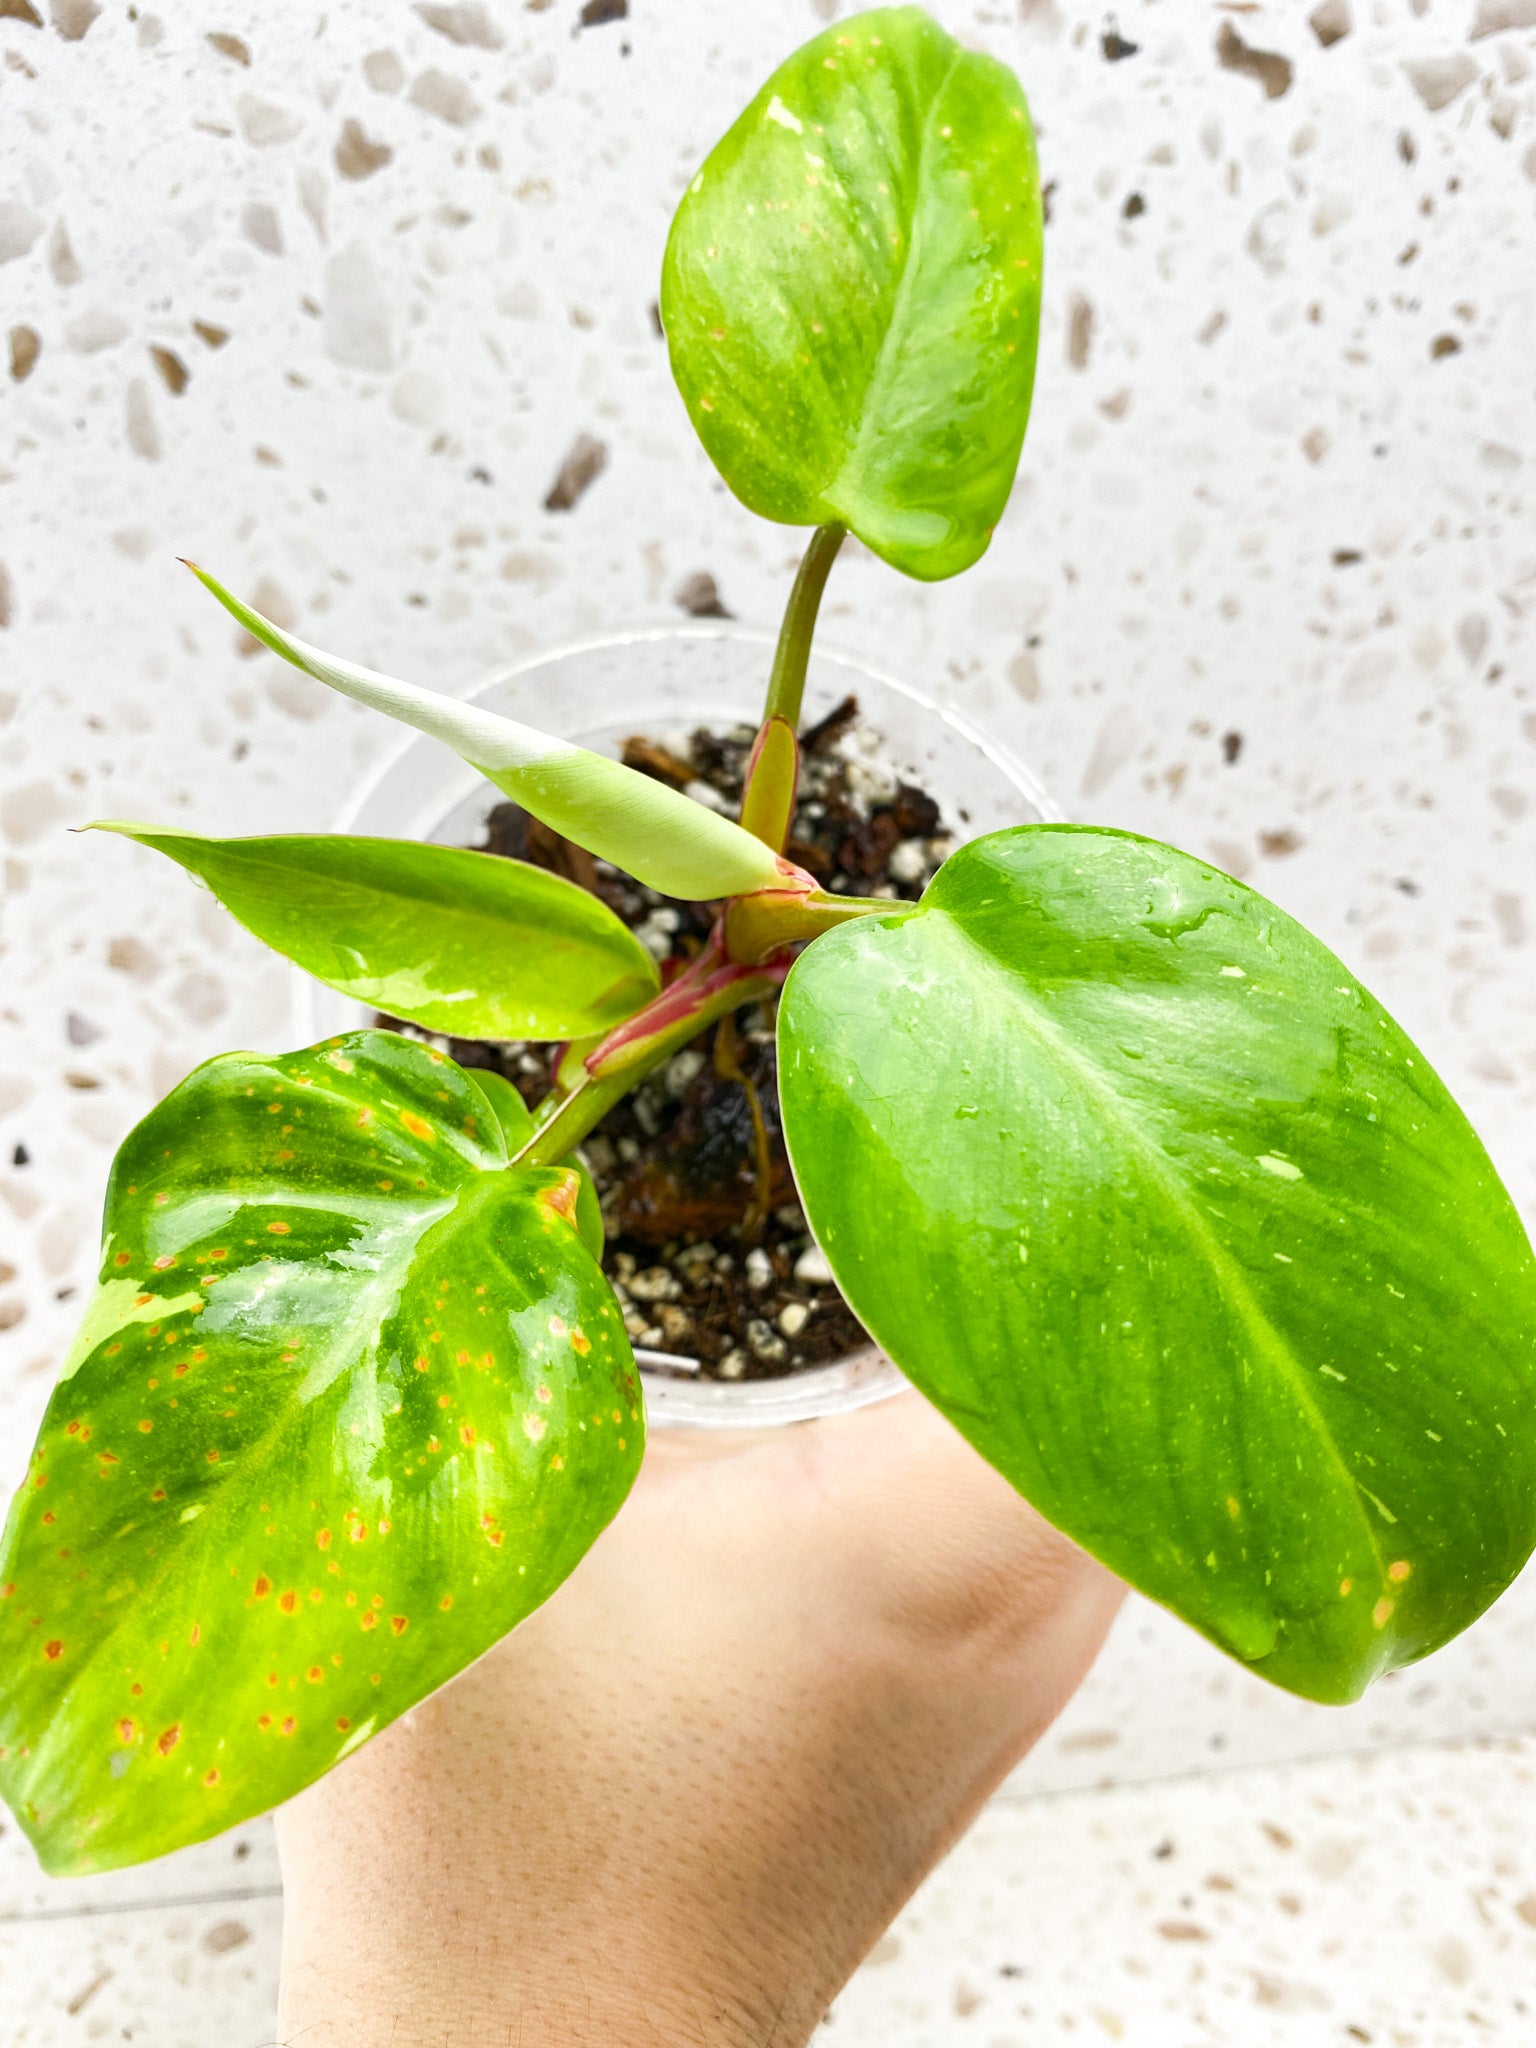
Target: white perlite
(812, 1267)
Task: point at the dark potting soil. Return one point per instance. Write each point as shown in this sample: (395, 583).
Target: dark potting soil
(708, 1250)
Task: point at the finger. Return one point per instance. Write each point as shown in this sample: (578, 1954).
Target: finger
(887, 1513)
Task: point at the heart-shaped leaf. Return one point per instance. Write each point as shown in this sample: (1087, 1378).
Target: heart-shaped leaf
(351, 1400)
(516, 1121)
(851, 292)
(1166, 1214)
(460, 942)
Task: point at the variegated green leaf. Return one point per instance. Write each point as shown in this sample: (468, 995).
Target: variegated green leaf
(1140, 1186)
(351, 1399)
(460, 942)
(851, 291)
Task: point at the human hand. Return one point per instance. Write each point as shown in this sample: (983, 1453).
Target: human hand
(684, 1799)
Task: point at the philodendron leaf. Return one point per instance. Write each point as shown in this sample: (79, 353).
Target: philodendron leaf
(588, 1216)
(851, 292)
(656, 833)
(351, 1400)
(516, 1121)
(511, 1112)
(1166, 1214)
(460, 942)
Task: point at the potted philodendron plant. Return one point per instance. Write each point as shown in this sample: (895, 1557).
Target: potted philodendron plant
(1127, 1173)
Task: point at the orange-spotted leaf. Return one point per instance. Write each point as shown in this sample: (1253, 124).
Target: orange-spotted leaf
(351, 1399)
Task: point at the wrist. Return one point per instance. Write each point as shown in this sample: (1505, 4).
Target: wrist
(471, 1941)
(488, 1987)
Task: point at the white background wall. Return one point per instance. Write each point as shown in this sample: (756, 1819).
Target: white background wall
(1266, 589)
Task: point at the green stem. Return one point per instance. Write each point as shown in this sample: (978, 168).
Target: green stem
(786, 685)
(762, 924)
(562, 1120)
(747, 958)
(756, 925)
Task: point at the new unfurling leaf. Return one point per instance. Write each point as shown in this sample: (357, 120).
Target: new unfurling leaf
(657, 834)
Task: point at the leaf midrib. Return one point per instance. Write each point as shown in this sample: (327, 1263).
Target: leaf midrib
(1230, 1279)
(853, 458)
(514, 917)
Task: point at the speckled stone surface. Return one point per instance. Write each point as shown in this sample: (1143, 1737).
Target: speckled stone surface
(1389, 1900)
(196, 1974)
(326, 297)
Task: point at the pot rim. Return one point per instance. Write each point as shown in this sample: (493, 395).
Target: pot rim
(676, 1400)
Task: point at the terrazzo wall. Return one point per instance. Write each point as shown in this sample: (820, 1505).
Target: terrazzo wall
(354, 303)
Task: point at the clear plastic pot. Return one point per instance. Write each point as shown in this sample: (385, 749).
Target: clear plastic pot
(664, 682)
